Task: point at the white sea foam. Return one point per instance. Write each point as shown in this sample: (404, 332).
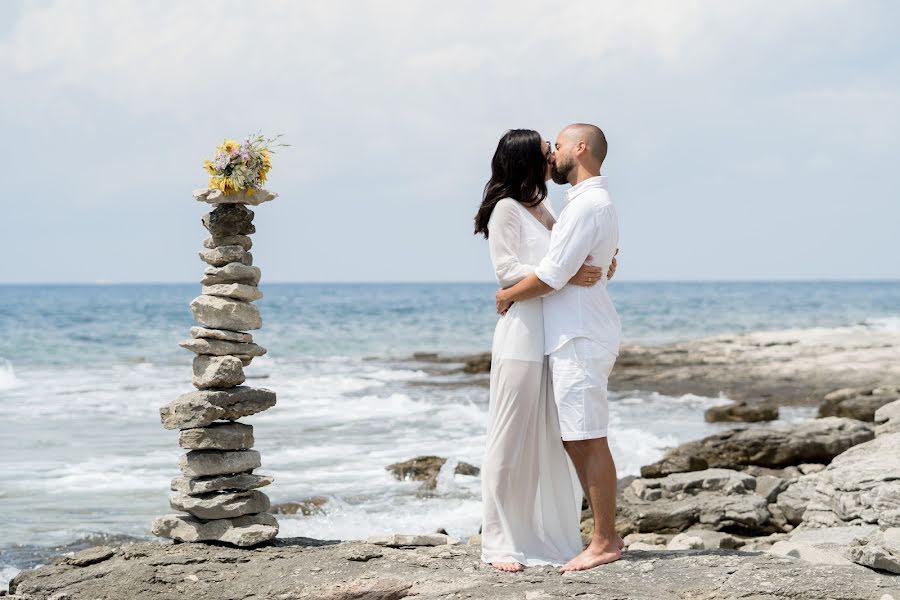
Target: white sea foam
(8, 379)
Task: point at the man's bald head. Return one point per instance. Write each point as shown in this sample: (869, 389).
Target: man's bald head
(591, 135)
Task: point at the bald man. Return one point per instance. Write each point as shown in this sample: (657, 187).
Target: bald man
(581, 328)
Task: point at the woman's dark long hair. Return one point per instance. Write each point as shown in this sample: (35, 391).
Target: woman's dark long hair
(518, 171)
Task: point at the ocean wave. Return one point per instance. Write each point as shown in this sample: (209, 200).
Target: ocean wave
(8, 379)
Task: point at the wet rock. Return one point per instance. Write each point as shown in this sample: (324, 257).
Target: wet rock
(221, 334)
(217, 436)
(202, 463)
(741, 411)
(238, 291)
(229, 240)
(201, 408)
(231, 219)
(222, 347)
(858, 403)
(426, 469)
(194, 486)
(221, 505)
(224, 313)
(231, 273)
(222, 255)
(478, 364)
(819, 440)
(251, 197)
(248, 530)
(877, 550)
(217, 372)
(310, 506)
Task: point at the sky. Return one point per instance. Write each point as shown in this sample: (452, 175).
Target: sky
(748, 139)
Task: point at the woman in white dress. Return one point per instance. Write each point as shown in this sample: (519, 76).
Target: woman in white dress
(531, 506)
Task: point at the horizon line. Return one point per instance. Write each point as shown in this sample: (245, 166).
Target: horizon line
(450, 282)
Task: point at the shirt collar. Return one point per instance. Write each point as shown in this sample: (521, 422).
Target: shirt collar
(592, 182)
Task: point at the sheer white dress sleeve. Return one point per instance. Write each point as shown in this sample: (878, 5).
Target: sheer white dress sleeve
(530, 508)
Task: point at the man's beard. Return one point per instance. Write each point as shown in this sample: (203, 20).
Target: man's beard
(560, 173)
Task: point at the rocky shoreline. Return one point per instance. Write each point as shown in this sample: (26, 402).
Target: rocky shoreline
(805, 510)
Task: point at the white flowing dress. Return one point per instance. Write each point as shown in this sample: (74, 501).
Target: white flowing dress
(530, 506)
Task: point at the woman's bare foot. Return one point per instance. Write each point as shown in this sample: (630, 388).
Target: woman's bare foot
(597, 553)
(510, 567)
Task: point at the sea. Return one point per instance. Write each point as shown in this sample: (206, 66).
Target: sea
(85, 368)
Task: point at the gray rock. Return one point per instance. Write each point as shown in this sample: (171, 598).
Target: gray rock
(223, 313)
(230, 219)
(887, 418)
(858, 403)
(194, 486)
(427, 468)
(203, 463)
(231, 273)
(769, 487)
(229, 240)
(877, 550)
(238, 291)
(243, 531)
(742, 411)
(861, 486)
(811, 554)
(217, 372)
(814, 441)
(793, 501)
(717, 499)
(253, 197)
(221, 505)
(199, 409)
(222, 347)
(221, 334)
(217, 436)
(683, 541)
(408, 540)
(222, 255)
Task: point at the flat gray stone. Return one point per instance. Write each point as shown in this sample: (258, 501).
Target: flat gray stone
(217, 436)
(221, 505)
(877, 550)
(222, 255)
(229, 240)
(253, 197)
(222, 347)
(399, 539)
(238, 291)
(231, 273)
(243, 531)
(193, 486)
(203, 463)
(224, 313)
(221, 334)
(217, 372)
(200, 408)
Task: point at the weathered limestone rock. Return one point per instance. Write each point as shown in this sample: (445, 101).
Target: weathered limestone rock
(229, 240)
(223, 313)
(220, 334)
(238, 291)
(718, 499)
(398, 540)
(243, 531)
(769, 487)
(878, 550)
(861, 486)
(741, 411)
(229, 219)
(203, 463)
(222, 255)
(221, 505)
(194, 486)
(858, 403)
(222, 347)
(199, 409)
(217, 436)
(217, 371)
(819, 440)
(426, 469)
(251, 197)
(309, 506)
(821, 546)
(887, 418)
(231, 273)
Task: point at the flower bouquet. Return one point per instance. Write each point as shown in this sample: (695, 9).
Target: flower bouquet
(239, 167)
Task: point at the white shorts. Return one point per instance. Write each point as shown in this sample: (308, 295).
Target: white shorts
(580, 370)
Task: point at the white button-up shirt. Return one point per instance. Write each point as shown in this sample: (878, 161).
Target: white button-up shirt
(587, 226)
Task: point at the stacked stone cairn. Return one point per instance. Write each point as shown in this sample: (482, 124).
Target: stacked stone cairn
(218, 488)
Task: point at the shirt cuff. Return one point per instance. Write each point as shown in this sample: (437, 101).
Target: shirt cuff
(551, 274)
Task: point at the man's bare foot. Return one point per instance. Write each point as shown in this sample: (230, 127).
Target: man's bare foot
(594, 555)
(511, 567)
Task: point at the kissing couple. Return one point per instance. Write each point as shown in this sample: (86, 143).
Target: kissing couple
(553, 350)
